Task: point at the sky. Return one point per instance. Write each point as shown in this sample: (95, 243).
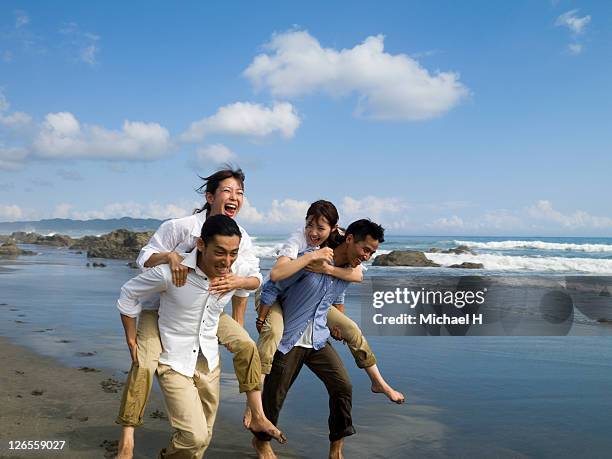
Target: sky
(432, 118)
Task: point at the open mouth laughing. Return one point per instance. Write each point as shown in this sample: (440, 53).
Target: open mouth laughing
(314, 240)
(230, 210)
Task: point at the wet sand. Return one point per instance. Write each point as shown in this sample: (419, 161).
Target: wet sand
(43, 400)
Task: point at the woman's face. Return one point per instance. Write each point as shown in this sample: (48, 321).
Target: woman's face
(227, 199)
(317, 230)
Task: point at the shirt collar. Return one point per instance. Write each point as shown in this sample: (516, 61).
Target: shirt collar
(191, 261)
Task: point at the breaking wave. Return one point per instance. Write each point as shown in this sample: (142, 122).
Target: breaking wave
(538, 245)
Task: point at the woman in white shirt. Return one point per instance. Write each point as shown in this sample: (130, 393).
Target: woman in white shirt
(224, 195)
(321, 231)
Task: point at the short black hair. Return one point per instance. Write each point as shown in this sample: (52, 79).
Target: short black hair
(219, 225)
(360, 229)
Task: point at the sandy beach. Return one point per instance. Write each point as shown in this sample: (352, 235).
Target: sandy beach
(43, 400)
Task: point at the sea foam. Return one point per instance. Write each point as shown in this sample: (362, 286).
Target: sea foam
(538, 245)
(520, 263)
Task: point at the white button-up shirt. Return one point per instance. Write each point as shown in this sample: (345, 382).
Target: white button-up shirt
(188, 315)
(180, 235)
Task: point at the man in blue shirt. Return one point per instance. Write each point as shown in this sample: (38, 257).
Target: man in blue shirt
(306, 297)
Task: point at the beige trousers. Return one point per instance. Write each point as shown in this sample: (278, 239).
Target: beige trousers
(139, 381)
(192, 408)
(272, 332)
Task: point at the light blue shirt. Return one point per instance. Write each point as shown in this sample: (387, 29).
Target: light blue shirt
(305, 296)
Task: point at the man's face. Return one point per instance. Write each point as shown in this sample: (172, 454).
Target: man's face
(227, 199)
(219, 254)
(361, 251)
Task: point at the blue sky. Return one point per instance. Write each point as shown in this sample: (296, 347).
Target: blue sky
(430, 117)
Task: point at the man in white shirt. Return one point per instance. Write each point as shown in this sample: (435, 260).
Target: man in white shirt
(188, 323)
(224, 193)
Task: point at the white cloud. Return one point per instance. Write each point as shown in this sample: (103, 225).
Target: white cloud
(575, 24)
(500, 219)
(285, 212)
(249, 214)
(216, 154)
(21, 19)
(574, 48)
(62, 211)
(448, 223)
(382, 209)
(15, 119)
(62, 136)
(543, 210)
(12, 120)
(246, 119)
(389, 87)
(10, 212)
(290, 213)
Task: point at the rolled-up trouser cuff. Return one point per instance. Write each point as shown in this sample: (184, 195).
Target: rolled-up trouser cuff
(350, 430)
(367, 362)
(266, 368)
(128, 422)
(248, 387)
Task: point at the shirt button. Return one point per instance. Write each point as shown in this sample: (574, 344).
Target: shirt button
(194, 350)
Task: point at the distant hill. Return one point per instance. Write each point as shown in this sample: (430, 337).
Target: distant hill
(81, 227)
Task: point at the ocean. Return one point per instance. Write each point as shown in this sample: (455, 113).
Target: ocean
(503, 397)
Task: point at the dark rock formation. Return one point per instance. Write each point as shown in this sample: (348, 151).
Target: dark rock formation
(57, 240)
(457, 250)
(404, 258)
(121, 244)
(10, 249)
(468, 265)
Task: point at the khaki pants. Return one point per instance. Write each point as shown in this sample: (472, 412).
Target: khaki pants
(140, 378)
(192, 408)
(272, 332)
(139, 381)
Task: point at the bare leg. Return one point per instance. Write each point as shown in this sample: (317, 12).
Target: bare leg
(246, 417)
(259, 421)
(335, 449)
(380, 386)
(126, 443)
(263, 448)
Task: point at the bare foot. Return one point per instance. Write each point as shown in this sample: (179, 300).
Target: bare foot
(263, 425)
(263, 449)
(392, 394)
(246, 418)
(125, 449)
